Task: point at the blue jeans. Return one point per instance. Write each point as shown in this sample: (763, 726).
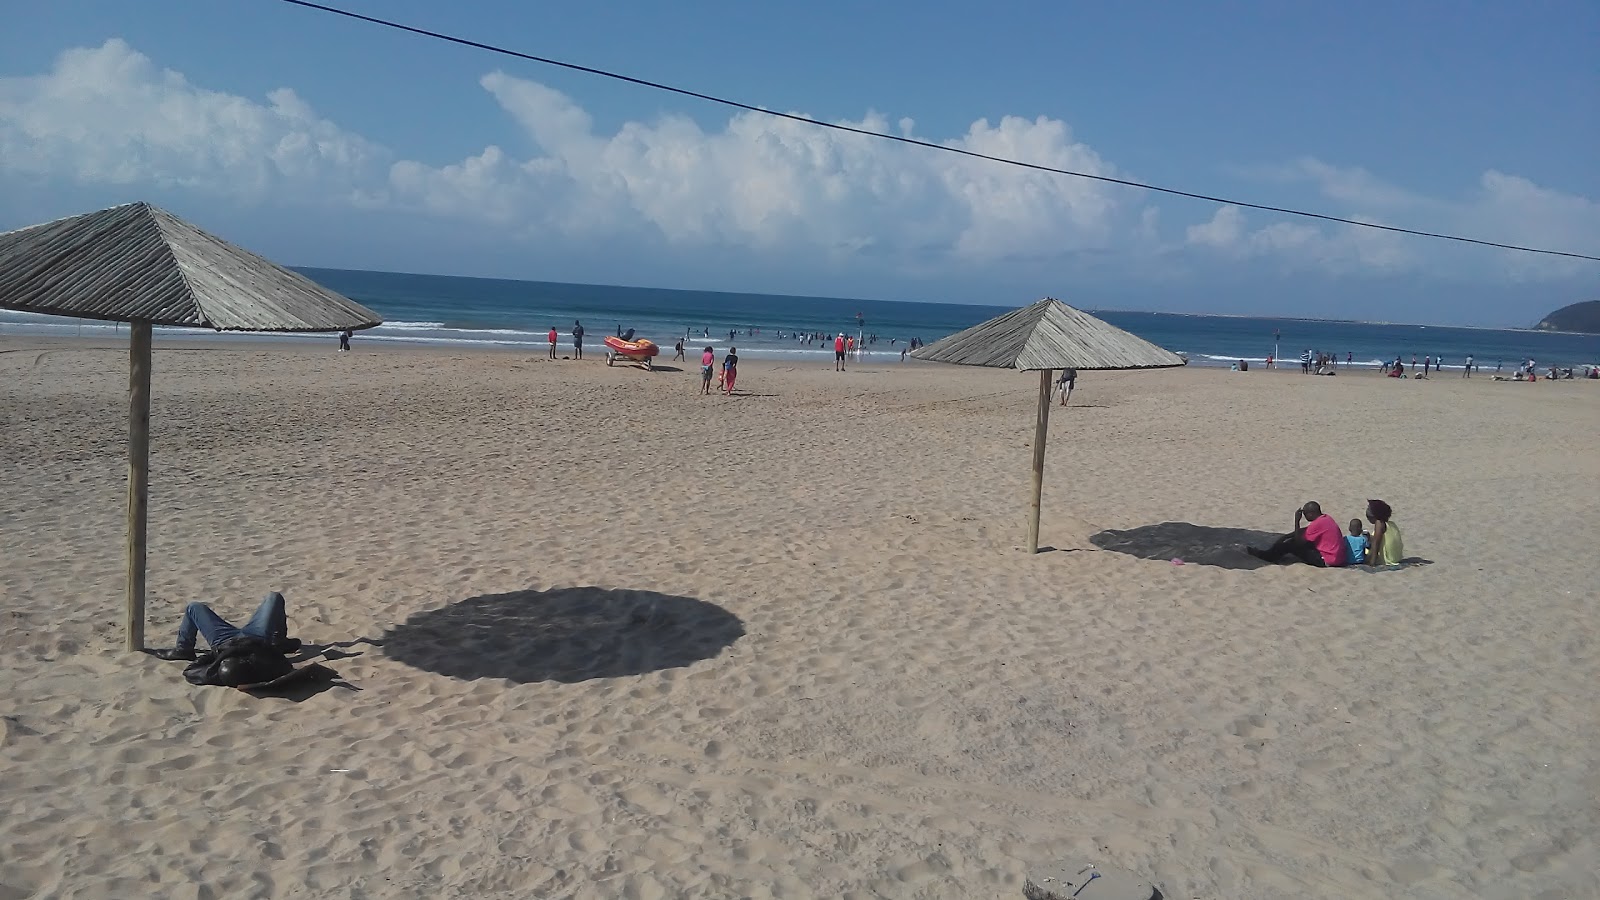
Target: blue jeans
(270, 623)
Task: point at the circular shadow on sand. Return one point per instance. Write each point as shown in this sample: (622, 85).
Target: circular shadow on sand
(1202, 545)
(567, 635)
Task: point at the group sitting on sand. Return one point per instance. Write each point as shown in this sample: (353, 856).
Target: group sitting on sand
(1319, 542)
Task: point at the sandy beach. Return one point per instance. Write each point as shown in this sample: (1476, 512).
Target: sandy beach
(606, 638)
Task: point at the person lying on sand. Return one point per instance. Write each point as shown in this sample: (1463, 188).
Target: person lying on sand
(1319, 543)
(269, 624)
(248, 658)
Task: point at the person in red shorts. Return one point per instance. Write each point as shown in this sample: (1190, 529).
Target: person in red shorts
(1319, 543)
(730, 370)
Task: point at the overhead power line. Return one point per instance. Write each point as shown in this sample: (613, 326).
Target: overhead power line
(479, 45)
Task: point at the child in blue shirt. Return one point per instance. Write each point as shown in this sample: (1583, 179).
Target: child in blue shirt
(1356, 542)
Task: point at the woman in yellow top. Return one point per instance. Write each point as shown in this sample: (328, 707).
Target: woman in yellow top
(1388, 547)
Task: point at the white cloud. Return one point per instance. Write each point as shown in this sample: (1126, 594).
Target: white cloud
(769, 182)
(109, 116)
(1225, 229)
(1339, 248)
(1506, 209)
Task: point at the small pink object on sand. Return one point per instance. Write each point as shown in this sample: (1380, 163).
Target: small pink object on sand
(1176, 561)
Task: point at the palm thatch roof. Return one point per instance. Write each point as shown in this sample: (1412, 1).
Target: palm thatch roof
(1048, 335)
(138, 263)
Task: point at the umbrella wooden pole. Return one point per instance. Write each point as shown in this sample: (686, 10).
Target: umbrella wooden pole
(1041, 429)
(138, 476)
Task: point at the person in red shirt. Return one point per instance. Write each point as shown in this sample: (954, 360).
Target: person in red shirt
(1318, 543)
(838, 353)
(552, 342)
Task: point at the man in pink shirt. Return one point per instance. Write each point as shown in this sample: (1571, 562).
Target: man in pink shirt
(1319, 543)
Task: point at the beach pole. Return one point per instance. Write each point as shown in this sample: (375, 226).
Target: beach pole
(138, 477)
(1041, 430)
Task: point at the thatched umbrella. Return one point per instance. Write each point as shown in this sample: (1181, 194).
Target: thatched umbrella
(139, 264)
(1044, 337)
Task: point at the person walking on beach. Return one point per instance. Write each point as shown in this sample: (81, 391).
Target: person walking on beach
(552, 342)
(708, 362)
(730, 370)
(1305, 363)
(1466, 370)
(577, 338)
(679, 355)
(1069, 380)
(344, 340)
(838, 353)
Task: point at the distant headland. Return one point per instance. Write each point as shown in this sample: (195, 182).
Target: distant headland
(1582, 317)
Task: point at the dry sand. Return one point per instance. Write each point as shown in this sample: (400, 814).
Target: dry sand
(616, 640)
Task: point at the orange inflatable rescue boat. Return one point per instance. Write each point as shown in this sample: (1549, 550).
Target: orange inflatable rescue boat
(636, 351)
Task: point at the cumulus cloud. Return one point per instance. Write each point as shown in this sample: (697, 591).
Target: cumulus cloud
(107, 115)
(110, 116)
(1337, 248)
(762, 181)
(1503, 208)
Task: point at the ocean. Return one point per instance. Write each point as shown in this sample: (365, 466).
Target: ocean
(450, 310)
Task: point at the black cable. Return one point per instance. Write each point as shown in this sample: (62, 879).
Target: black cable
(913, 141)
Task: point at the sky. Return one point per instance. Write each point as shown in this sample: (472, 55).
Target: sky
(320, 141)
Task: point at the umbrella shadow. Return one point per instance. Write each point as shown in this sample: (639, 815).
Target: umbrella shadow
(566, 634)
(1203, 545)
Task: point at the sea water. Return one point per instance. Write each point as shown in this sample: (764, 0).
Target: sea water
(435, 309)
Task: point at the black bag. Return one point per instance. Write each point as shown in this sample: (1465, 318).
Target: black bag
(243, 660)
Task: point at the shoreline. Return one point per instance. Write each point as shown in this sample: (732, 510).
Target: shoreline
(360, 342)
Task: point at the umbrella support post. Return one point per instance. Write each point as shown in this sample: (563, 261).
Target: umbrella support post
(138, 477)
(1041, 430)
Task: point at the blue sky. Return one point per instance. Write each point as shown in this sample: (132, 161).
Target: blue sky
(321, 141)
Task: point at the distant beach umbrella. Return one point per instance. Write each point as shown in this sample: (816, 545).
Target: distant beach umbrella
(139, 264)
(1044, 337)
